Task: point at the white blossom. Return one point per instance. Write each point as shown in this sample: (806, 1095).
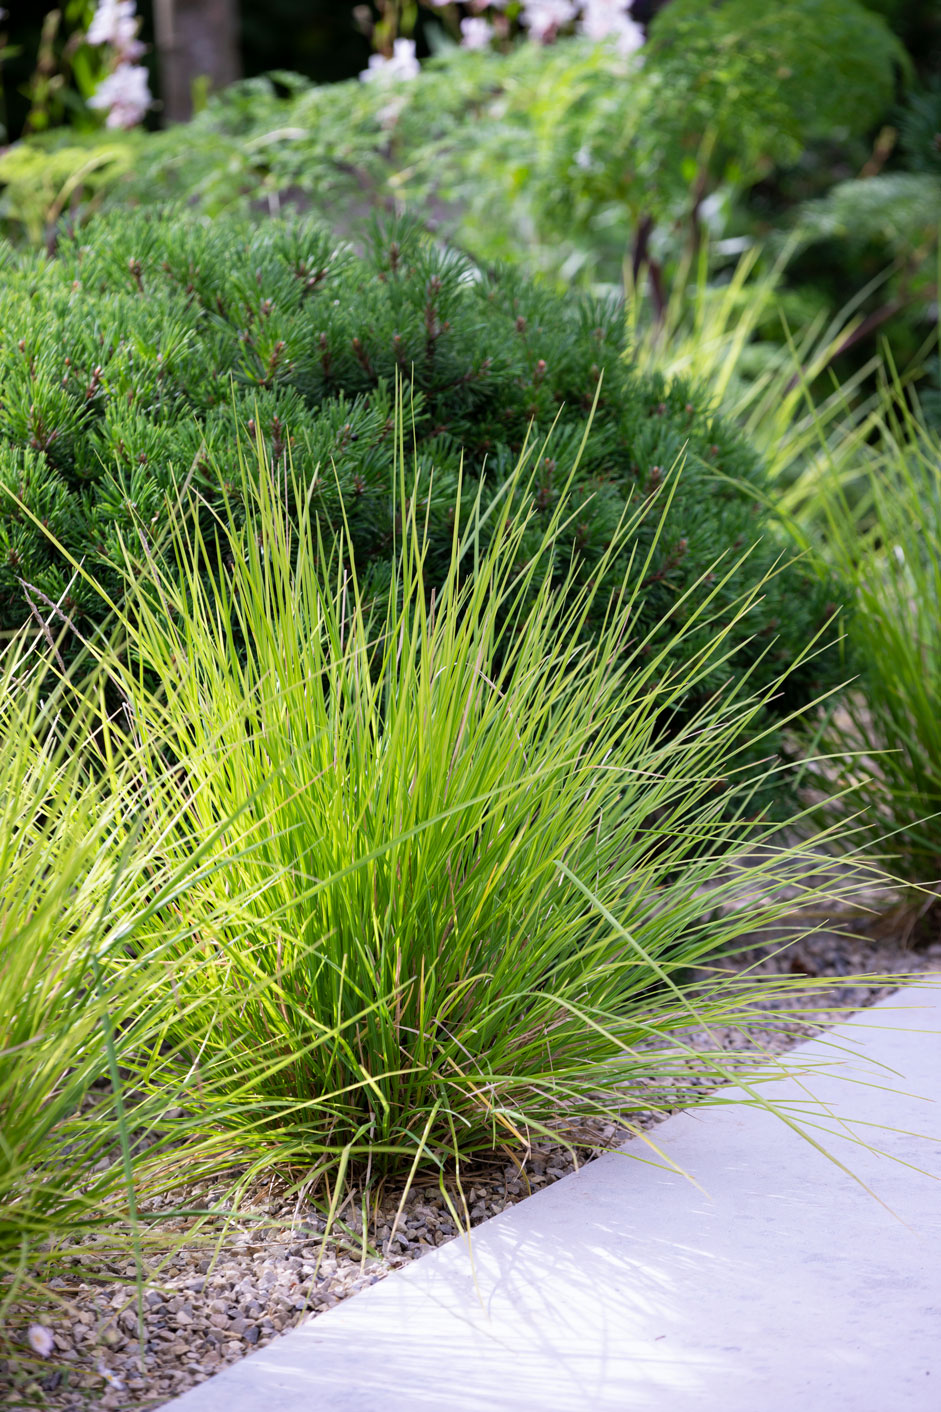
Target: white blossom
(115, 22)
(112, 1379)
(388, 115)
(543, 17)
(40, 1339)
(125, 94)
(713, 210)
(630, 37)
(403, 63)
(608, 19)
(476, 33)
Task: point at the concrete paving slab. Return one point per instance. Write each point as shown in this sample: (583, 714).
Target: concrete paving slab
(777, 1285)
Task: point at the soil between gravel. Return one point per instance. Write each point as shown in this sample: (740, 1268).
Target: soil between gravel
(240, 1285)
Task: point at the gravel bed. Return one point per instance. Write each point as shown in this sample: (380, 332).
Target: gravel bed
(236, 1287)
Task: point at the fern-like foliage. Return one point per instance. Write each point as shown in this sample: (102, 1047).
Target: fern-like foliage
(39, 178)
(919, 124)
(897, 211)
(764, 80)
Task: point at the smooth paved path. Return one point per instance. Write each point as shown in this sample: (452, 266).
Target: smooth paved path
(779, 1285)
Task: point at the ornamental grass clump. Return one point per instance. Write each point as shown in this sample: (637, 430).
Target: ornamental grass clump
(87, 1075)
(468, 872)
(885, 740)
(97, 1111)
(56, 1019)
(146, 353)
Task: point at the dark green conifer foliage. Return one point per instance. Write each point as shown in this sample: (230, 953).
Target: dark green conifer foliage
(144, 351)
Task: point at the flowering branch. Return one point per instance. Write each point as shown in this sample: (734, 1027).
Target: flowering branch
(490, 21)
(124, 93)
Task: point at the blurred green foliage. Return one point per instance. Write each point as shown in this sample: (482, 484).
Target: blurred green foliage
(318, 38)
(553, 154)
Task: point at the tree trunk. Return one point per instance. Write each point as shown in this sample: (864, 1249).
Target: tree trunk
(196, 39)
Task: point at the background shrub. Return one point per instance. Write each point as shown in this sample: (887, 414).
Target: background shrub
(570, 160)
(577, 143)
(142, 355)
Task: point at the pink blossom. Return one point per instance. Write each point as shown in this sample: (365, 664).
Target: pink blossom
(115, 22)
(125, 94)
(476, 33)
(403, 63)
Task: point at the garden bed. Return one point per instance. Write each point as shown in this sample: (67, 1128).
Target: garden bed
(231, 1285)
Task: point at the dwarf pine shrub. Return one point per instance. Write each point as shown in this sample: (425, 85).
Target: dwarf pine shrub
(149, 354)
